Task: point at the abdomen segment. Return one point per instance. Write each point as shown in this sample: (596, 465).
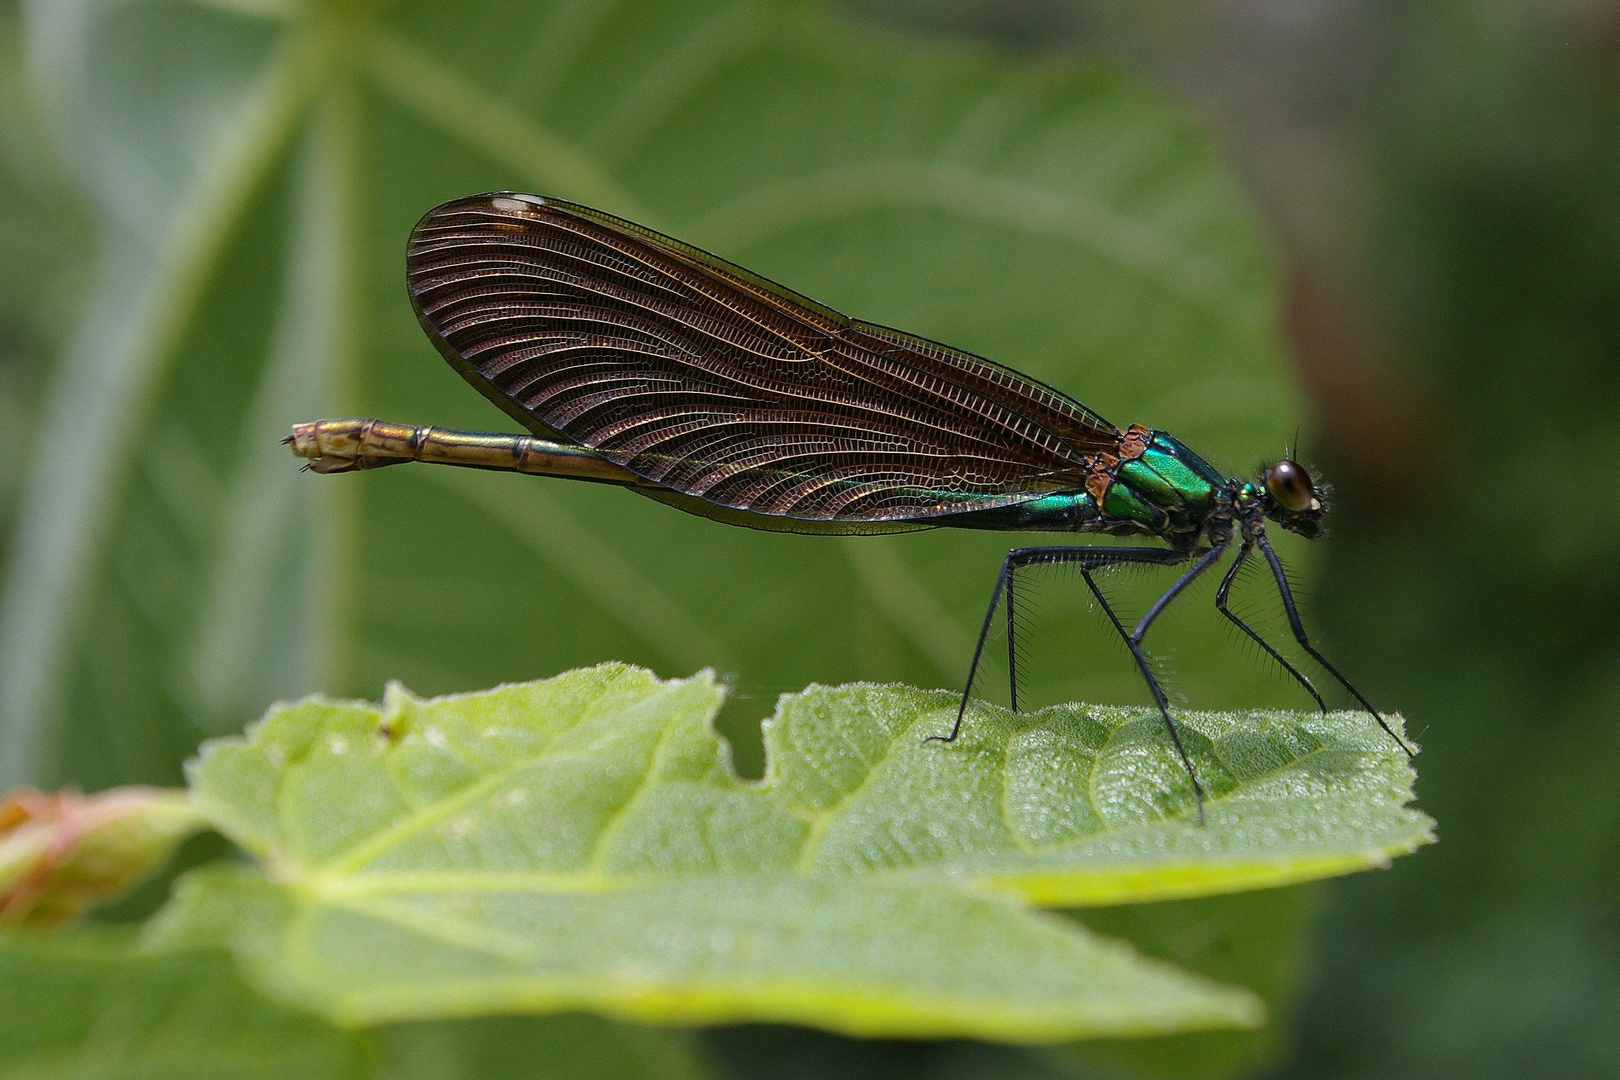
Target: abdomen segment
(356, 443)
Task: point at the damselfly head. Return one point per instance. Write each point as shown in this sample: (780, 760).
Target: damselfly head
(1295, 501)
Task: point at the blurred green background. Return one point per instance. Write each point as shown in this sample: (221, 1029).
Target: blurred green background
(1397, 225)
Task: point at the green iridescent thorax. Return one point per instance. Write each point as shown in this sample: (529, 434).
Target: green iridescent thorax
(1168, 490)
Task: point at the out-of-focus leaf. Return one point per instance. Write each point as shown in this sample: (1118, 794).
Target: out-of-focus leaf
(87, 1005)
(566, 1047)
(1255, 940)
(42, 260)
(1251, 939)
(61, 853)
(174, 173)
(583, 841)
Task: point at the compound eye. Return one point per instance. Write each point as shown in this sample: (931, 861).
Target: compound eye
(1291, 486)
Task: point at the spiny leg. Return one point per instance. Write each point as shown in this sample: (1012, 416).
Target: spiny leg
(1205, 561)
(978, 647)
(1089, 559)
(1012, 641)
(1304, 640)
(1133, 641)
(1220, 605)
(1018, 557)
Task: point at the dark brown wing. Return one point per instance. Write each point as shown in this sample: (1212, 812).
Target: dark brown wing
(712, 381)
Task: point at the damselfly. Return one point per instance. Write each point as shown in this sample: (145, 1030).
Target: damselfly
(637, 360)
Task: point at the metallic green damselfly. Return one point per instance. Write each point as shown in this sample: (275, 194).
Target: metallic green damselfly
(637, 360)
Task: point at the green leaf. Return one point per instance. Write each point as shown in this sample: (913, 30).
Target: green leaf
(1257, 940)
(1086, 804)
(566, 1047)
(87, 1006)
(583, 842)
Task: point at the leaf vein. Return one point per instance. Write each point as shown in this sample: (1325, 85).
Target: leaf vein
(435, 812)
(819, 824)
(615, 821)
(1070, 216)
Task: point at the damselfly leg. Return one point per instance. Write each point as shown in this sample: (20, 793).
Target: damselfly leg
(1088, 560)
(1012, 645)
(1221, 595)
(1287, 594)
